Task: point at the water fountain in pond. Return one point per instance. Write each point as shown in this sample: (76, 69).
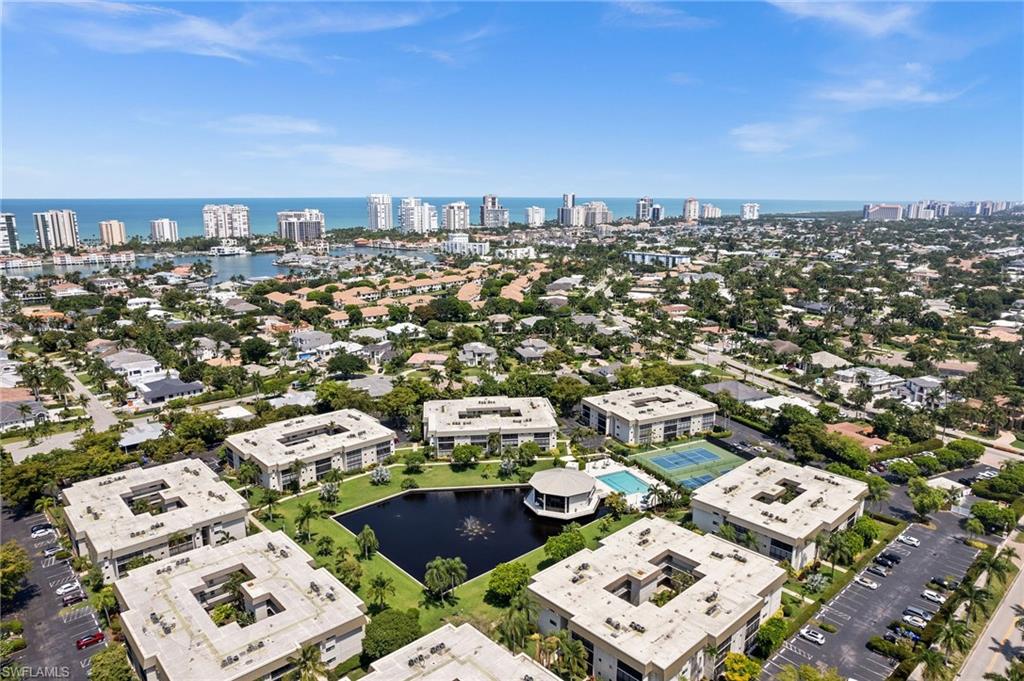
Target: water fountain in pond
(472, 528)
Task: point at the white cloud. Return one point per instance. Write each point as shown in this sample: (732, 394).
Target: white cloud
(872, 19)
(264, 124)
(652, 15)
(273, 30)
(909, 85)
(680, 78)
(808, 136)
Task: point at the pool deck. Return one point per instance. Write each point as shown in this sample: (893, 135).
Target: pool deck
(608, 467)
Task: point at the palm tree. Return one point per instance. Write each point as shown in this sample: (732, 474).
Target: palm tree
(248, 475)
(954, 637)
(572, 657)
(104, 600)
(59, 385)
(44, 504)
(515, 623)
(307, 512)
(976, 599)
(933, 665)
(308, 664)
(998, 567)
(270, 498)
(443, 575)
(367, 541)
(380, 589)
(1014, 673)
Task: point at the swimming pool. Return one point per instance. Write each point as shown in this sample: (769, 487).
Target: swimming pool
(624, 482)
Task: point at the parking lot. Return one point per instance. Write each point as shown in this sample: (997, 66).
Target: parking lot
(50, 629)
(860, 613)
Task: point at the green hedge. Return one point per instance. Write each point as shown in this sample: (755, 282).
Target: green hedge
(896, 451)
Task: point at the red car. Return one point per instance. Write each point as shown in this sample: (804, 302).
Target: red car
(91, 639)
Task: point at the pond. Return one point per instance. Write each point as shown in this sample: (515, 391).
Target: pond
(484, 527)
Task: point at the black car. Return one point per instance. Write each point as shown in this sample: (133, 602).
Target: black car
(42, 526)
(884, 562)
(945, 583)
(893, 558)
(970, 480)
(877, 570)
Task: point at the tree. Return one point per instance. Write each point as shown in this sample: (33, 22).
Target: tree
(324, 545)
(739, 667)
(367, 542)
(104, 600)
(770, 635)
(508, 579)
(308, 665)
(389, 630)
(976, 601)
(465, 455)
(572, 657)
(111, 664)
(926, 499)
(933, 665)
(379, 590)
(14, 567)
(994, 517)
(249, 475)
(516, 621)
(974, 527)
(567, 542)
(807, 672)
(414, 462)
(616, 503)
(350, 572)
(954, 637)
(270, 498)
(443, 575)
(307, 512)
(346, 365)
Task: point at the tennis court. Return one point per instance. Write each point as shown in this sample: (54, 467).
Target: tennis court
(691, 464)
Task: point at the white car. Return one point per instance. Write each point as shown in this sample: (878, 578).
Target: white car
(51, 551)
(812, 636)
(908, 540)
(68, 588)
(45, 532)
(915, 621)
(933, 596)
(864, 581)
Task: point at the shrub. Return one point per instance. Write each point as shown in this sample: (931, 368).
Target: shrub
(390, 630)
(12, 627)
(567, 542)
(771, 634)
(409, 483)
(826, 626)
(897, 651)
(507, 579)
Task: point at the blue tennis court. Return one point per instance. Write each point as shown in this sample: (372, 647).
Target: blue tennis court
(685, 459)
(695, 482)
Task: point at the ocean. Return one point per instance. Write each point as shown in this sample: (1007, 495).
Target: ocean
(338, 211)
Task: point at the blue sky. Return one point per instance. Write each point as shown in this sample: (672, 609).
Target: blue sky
(802, 100)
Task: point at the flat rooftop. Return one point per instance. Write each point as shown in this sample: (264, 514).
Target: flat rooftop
(191, 493)
(651, 404)
(163, 615)
(460, 653)
(489, 414)
(730, 585)
(307, 437)
(794, 501)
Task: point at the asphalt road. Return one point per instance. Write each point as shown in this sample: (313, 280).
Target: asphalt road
(860, 613)
(50, 630)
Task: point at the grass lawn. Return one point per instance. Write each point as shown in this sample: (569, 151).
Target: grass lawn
(1018, 443)
(65, 427)
(467, 603)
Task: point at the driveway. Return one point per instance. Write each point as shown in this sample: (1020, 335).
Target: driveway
(50, 629)
(860, 613)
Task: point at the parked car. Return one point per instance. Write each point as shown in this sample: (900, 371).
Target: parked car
(68, 588)
(51, 551)
(42, 526)
(812, 636)
(907, 633)
(915, 621)
(72, 598)
(90, 640)
(892, 557)
(884, 562)
(968, 480)
(877, 570)
(945, 583)
(933, 596)
(915, 611)
(908, 540)
(864, 581)
(43, 532)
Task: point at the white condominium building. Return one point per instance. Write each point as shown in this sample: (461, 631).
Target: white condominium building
(8, 234)
(56, 229)
(493, 423)
(750, 211)
(456, 652)
(163, 230)
(379, 212)
(112, 233)
(691, 209)
(718, 596)
(642, 415)
(226, 221)
(416, 216)
(284, 604)
(596, 213)
(657, 213)
(151, 513)
(309, 446)
(883, 211)
(492, 214)
(535, 216)
(301, 226)
(709, 210)
(643, 209)
(455, 216)
(781, 506)
(459, 244)
(569, 214)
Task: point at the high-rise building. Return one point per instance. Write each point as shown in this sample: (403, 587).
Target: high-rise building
(535, 216)
(416, 216)
(883, 211)
(112, 233)
(492, 214)
(226, 221)
(920, 211)
(643, 208)
(691, 209)
(378, 210)
(56, 229)
(657, 213)
(750, 211)
(301, 226)
(8, 234)
(710, 211)
(163, 230)
(567, 214)
(596, 213)
(456, 216)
